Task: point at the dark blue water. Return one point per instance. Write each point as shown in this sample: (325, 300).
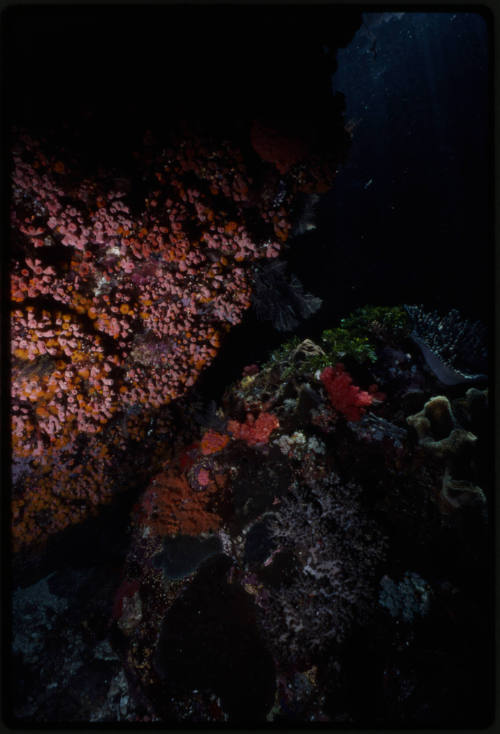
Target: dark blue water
(409, 218)
(414, 197)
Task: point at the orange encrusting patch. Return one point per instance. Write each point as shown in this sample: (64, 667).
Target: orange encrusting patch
(171, 507)
(212, 442)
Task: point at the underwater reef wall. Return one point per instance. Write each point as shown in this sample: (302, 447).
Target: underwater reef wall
(116, 312)
(330, 520)
(308, 528)
(129, 265)
(312, 546)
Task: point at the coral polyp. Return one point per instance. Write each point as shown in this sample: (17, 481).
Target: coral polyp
(249, 487)
(120, 302)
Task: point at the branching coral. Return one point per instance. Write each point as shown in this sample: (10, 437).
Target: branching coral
(336, 550)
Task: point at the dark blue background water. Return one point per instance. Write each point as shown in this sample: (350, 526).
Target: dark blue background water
(410, 215)
(409, 219)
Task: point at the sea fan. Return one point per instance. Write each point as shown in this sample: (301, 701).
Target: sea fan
(454, 348)
(280, 298)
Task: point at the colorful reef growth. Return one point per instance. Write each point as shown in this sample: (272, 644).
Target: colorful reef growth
(345, 397)
(254, 501)
(297, 498)
(120, 299)
(265, 555)
(203, 535)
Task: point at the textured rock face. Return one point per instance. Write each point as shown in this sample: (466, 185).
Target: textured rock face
(258, 553)
(263, 528)
(65, 667)
(118, 311)
(138, 226)
(298, 543)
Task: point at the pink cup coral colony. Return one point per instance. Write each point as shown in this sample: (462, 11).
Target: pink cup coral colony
(118, 306)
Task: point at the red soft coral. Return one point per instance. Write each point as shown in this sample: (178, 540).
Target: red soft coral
(212, 442)
(254, 431)
(345, 397)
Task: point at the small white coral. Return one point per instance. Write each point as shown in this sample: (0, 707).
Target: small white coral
(297, 445)
(315, 445)
(407, 599)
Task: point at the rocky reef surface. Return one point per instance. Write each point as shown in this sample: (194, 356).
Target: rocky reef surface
(204, 531)
(316, 550)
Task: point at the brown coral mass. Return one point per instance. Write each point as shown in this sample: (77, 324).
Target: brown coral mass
(171, 507)
(279, 144)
